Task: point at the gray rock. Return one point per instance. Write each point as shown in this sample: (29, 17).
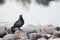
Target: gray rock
(29, 28)
(11, 37)
(34, 36)
(2, 32)
(56, 34)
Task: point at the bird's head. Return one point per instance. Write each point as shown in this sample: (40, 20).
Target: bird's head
(20, 16)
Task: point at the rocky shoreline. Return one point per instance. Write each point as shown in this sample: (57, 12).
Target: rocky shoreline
(31, 32)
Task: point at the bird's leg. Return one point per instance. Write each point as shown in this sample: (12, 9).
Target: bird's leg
(19, 29)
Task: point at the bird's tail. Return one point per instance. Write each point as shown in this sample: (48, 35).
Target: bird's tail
(12, 29)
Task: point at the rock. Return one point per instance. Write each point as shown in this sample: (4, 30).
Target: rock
(56, 34)
(34, 36)
(46, 29)
(47, 36)
(55, 39)
(10, 37)
(24, 39)
(2, 32)
(50, 25)
(21, 34)
(32, 29)
(29, 28)
(57, 28)
(42, 39)
(0, 38)
(8, 30)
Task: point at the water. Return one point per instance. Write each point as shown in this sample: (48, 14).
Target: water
(33, 14)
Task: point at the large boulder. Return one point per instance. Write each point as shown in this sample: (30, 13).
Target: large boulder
(29, 28)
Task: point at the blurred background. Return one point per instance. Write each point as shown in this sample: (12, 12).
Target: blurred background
(34, 11)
